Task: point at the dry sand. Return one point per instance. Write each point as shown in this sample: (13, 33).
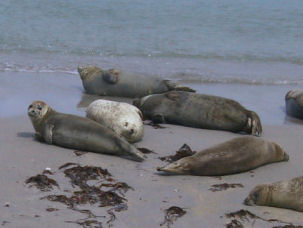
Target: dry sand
(22, 157)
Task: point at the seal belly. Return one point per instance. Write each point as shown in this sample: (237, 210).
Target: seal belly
(208, 114)
(129, 85)
(84, 134)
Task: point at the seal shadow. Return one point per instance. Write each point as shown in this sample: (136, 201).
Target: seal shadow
(162, 173)
(26, 134)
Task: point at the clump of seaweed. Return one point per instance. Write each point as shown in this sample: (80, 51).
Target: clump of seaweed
(172, 214)
(80, 175)
(42, 182)
(109, 193)
(184, 151)
(247, 216)
(224, 186)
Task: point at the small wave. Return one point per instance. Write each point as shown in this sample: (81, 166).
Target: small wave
(35, 69)
(199, 79)
(182, 77)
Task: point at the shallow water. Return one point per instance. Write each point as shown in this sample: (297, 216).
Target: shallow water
(64, 92)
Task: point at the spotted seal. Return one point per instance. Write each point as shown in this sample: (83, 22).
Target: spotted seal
(122, 118)
(200, 111)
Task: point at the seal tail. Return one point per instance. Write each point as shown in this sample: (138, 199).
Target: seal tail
(254, 124)
(175, 86)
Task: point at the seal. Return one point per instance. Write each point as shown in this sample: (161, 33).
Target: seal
(200, 111)
(294, 103)
(122, 118)
(113, 82)
(234, 156)
(77, 132)
(282, 194)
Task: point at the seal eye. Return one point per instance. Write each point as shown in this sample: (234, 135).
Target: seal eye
(30, 106)
(39, 107)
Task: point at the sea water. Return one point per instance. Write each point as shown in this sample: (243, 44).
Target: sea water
(205, 43)
(259, 42)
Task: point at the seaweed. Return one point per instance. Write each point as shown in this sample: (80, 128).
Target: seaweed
(4, 222)
(118, 208)
(288, 226)
(92, 194)
(67, 164)
(184, 151)
(245, 215)
(234, 224)
(85, 223)
(79, 153)
(42, 182)
(172, 214)
(110, 193)
(50, 209)
(242, 215)
(224, 186)
(47, 172)
(80, 175)
(121, 187)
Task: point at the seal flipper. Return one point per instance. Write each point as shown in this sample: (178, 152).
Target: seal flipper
(112, 76)
(254, 124)
(171, 85)
(48, 133)
(157, 118)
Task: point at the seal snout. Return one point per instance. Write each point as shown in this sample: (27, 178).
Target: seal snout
(247, 201)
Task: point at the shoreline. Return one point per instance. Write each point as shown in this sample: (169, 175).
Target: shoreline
(22, 157)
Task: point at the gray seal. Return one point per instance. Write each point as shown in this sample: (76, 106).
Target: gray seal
(200, 111)
(294, 103)
(114, 82)
(282, 194)
(234, 156)
(78, 133)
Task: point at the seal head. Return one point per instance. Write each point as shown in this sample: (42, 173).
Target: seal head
(182, 166)
(258, 196)
(88, 72)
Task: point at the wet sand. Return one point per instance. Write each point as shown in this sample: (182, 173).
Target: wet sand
(22, 157)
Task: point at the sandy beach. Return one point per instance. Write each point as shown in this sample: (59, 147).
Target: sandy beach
(23, 157)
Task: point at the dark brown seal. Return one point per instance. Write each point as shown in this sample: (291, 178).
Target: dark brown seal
(200, 111)
(294, 103)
